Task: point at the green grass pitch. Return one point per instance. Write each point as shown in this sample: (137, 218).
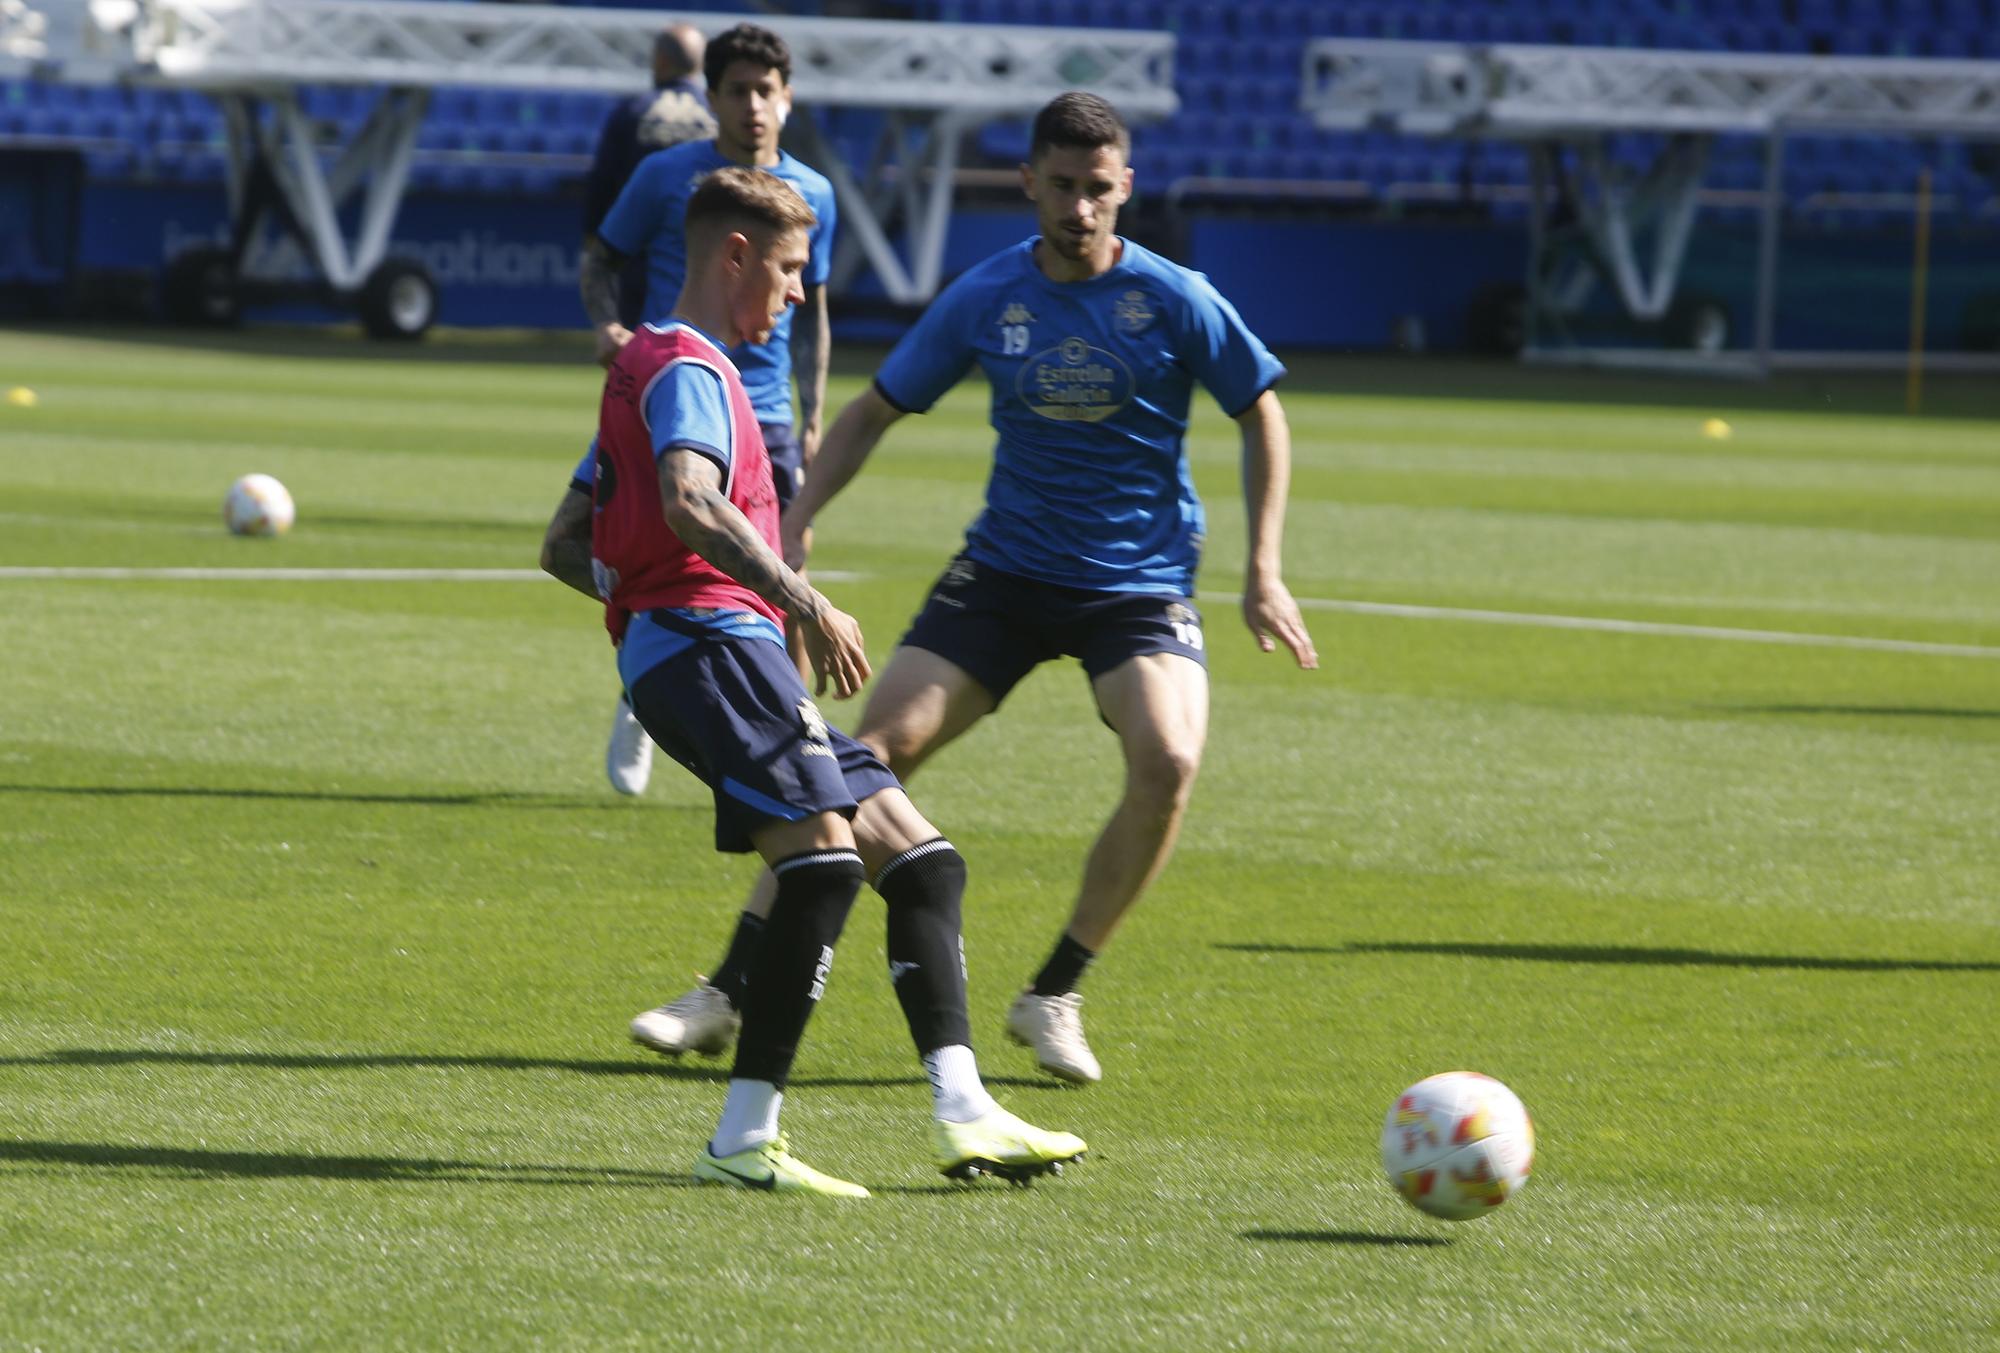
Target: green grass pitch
(322, 928)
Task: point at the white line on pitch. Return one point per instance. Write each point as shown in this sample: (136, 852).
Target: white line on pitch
(313, 575)
(1564, 622)
(1607, 626)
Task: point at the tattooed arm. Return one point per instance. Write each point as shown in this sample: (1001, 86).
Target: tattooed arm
(708, 523)
(566, 546)
(597, 282)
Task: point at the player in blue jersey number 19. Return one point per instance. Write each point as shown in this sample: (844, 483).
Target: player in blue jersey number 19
(1087, 546)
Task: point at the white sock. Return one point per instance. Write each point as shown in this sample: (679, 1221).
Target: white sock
(956, 1093)
(749, 1117)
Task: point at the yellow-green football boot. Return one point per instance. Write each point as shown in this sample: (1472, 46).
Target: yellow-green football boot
(771, 1166)
(1001, 1145)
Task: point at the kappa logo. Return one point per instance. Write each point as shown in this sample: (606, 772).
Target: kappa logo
(1014, 322)
(1133, 312)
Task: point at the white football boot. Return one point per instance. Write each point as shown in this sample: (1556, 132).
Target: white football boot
(1053, 1027)
(700, 1021)
(628, 760)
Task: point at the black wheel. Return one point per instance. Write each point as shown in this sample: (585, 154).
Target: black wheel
(200, 289)
(1699, 323)
(399, 300)
(1496, 319)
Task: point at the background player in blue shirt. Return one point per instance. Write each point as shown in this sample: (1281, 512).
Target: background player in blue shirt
(749, 72)
(674, 110)
(1091, 533)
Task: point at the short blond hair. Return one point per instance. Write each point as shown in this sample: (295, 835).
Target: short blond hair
(733, 196)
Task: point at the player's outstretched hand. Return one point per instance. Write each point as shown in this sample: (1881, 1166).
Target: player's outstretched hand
(1270, 612)
(833, 644)
(611, 338)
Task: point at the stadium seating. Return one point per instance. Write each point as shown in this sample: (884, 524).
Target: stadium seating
(1238, 73)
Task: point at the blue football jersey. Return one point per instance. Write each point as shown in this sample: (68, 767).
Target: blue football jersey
(648, 221)
(1091, 385)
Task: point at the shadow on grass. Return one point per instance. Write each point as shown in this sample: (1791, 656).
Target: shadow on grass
(1430, 377)
(716, 1073)
(1374, 1238)
(194, 1164)
(1866, 711)
(1619, 953)
(510, 798)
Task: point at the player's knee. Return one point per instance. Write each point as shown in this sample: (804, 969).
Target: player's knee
(899, 753)
(1164, 771)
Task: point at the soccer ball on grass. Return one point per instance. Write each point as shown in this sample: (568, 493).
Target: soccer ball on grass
(258, 505)
(1457, 1145)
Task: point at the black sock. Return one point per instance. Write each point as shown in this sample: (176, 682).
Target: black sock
(735, 969)
(787, 972)
(1064, 969)
(923, 887)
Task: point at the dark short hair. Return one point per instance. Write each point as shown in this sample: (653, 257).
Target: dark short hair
(1077, 121)
(747, 42)
(734, 195)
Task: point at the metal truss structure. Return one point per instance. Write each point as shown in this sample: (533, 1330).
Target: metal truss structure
(1564, 104)
(937, 80)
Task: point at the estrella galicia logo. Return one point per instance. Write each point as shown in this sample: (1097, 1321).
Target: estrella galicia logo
(1074, 382)
(1133, 312)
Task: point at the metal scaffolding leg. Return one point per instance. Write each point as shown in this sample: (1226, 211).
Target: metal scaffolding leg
(1767, 247)
(285, 144)
(925, 169)
(1666, 199)
(285, 211)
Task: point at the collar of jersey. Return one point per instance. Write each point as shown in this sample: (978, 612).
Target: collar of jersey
(670, 323)
(1123, 267)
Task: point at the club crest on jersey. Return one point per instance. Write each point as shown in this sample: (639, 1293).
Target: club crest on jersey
(1133, 312)
(1074, 382)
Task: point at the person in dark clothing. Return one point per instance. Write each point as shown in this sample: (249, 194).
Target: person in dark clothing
(676, 110)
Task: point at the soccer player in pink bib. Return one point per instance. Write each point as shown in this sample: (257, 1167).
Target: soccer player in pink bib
(681, 542)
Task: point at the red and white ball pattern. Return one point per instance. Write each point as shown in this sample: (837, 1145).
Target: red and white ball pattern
(1458, 1145)
(258, 505)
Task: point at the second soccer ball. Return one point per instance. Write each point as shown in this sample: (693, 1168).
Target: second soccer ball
(258, 505)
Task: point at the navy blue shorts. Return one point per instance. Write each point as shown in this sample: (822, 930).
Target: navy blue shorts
(788, 461)
(735, 713)
(998, 626)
